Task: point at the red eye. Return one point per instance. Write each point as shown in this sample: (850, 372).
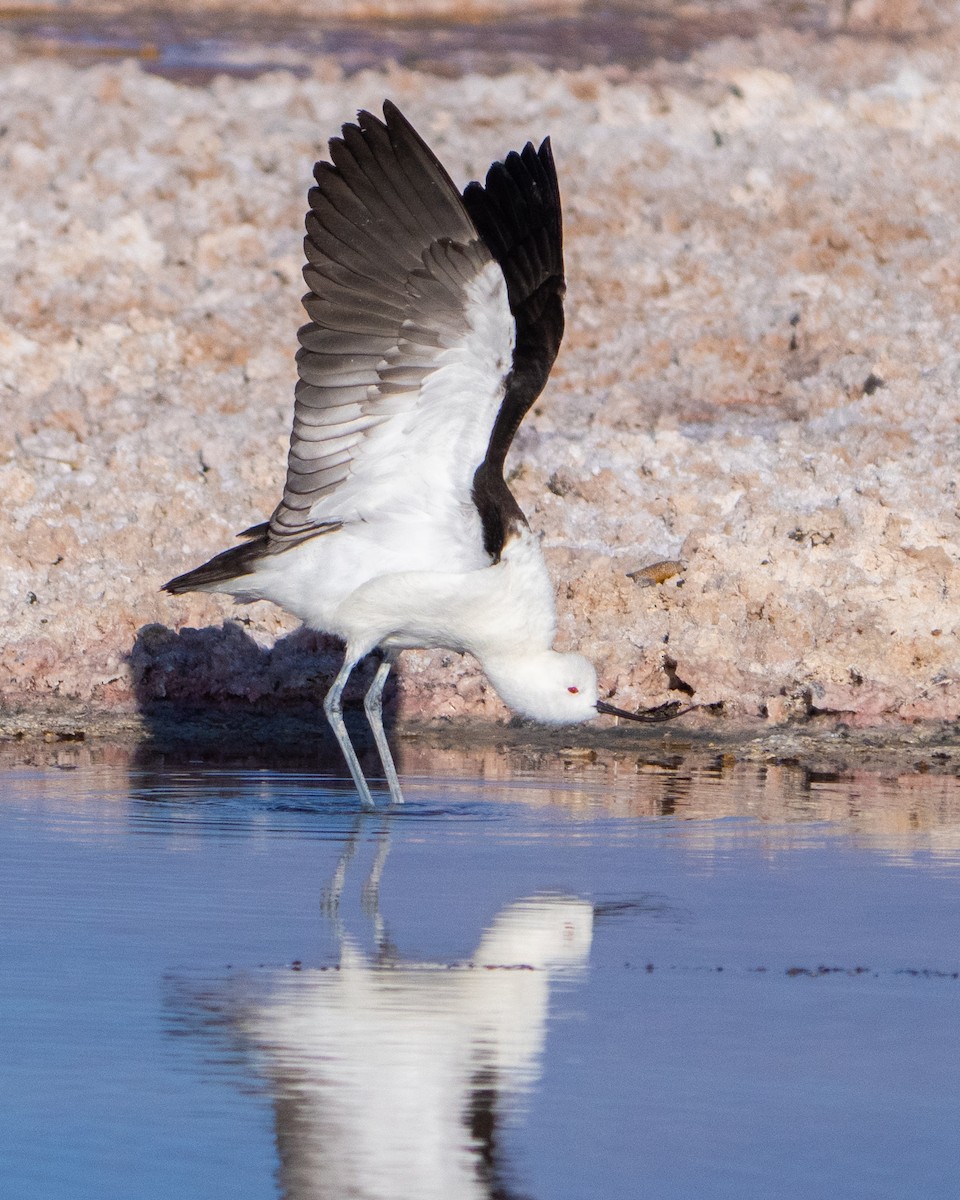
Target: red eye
(573, 691)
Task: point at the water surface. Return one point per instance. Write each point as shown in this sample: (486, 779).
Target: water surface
(196, 46)
(604, 980)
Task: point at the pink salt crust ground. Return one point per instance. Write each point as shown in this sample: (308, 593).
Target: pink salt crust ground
(759, 379)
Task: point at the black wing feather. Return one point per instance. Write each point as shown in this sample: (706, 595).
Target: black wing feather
(517, 213)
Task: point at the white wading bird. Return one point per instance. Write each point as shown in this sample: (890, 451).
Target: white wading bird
(435, 317)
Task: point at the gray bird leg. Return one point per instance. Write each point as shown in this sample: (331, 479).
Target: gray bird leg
(333, 707)
(373, 707)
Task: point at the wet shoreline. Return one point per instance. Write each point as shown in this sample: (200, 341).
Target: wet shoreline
(299, 737)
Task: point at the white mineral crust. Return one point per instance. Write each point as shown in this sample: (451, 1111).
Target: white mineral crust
(759, 378)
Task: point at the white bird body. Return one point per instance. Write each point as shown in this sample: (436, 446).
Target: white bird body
(367, 590)
(435, 316)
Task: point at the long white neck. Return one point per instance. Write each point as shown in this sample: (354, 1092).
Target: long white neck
(518, 608)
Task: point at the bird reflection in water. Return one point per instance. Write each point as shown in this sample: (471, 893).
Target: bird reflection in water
(391, 1079)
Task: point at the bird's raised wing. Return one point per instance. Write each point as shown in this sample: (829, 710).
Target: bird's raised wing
(517, 213)
(422, 353)
(402, 365)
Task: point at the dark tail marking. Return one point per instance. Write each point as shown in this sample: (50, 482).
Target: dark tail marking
(231, 564)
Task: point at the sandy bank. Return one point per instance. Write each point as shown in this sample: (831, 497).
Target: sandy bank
(759, 378)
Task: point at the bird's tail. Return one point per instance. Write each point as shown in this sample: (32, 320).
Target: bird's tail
(223, 568)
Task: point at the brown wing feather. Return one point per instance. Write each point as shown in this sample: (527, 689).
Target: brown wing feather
(376, 212)
(394, 264)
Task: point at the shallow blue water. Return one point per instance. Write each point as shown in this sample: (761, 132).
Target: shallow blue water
(222, 983)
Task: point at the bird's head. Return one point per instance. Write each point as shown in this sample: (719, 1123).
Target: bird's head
(560, 689)
(557, 689)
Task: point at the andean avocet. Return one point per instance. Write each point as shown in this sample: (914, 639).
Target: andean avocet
(435, 317)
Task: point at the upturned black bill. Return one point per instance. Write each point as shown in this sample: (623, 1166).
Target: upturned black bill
(647, 716)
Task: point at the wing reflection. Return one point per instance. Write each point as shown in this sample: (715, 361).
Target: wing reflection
(393, 1081)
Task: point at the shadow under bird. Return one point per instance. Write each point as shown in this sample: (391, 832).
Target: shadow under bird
(435, 317)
